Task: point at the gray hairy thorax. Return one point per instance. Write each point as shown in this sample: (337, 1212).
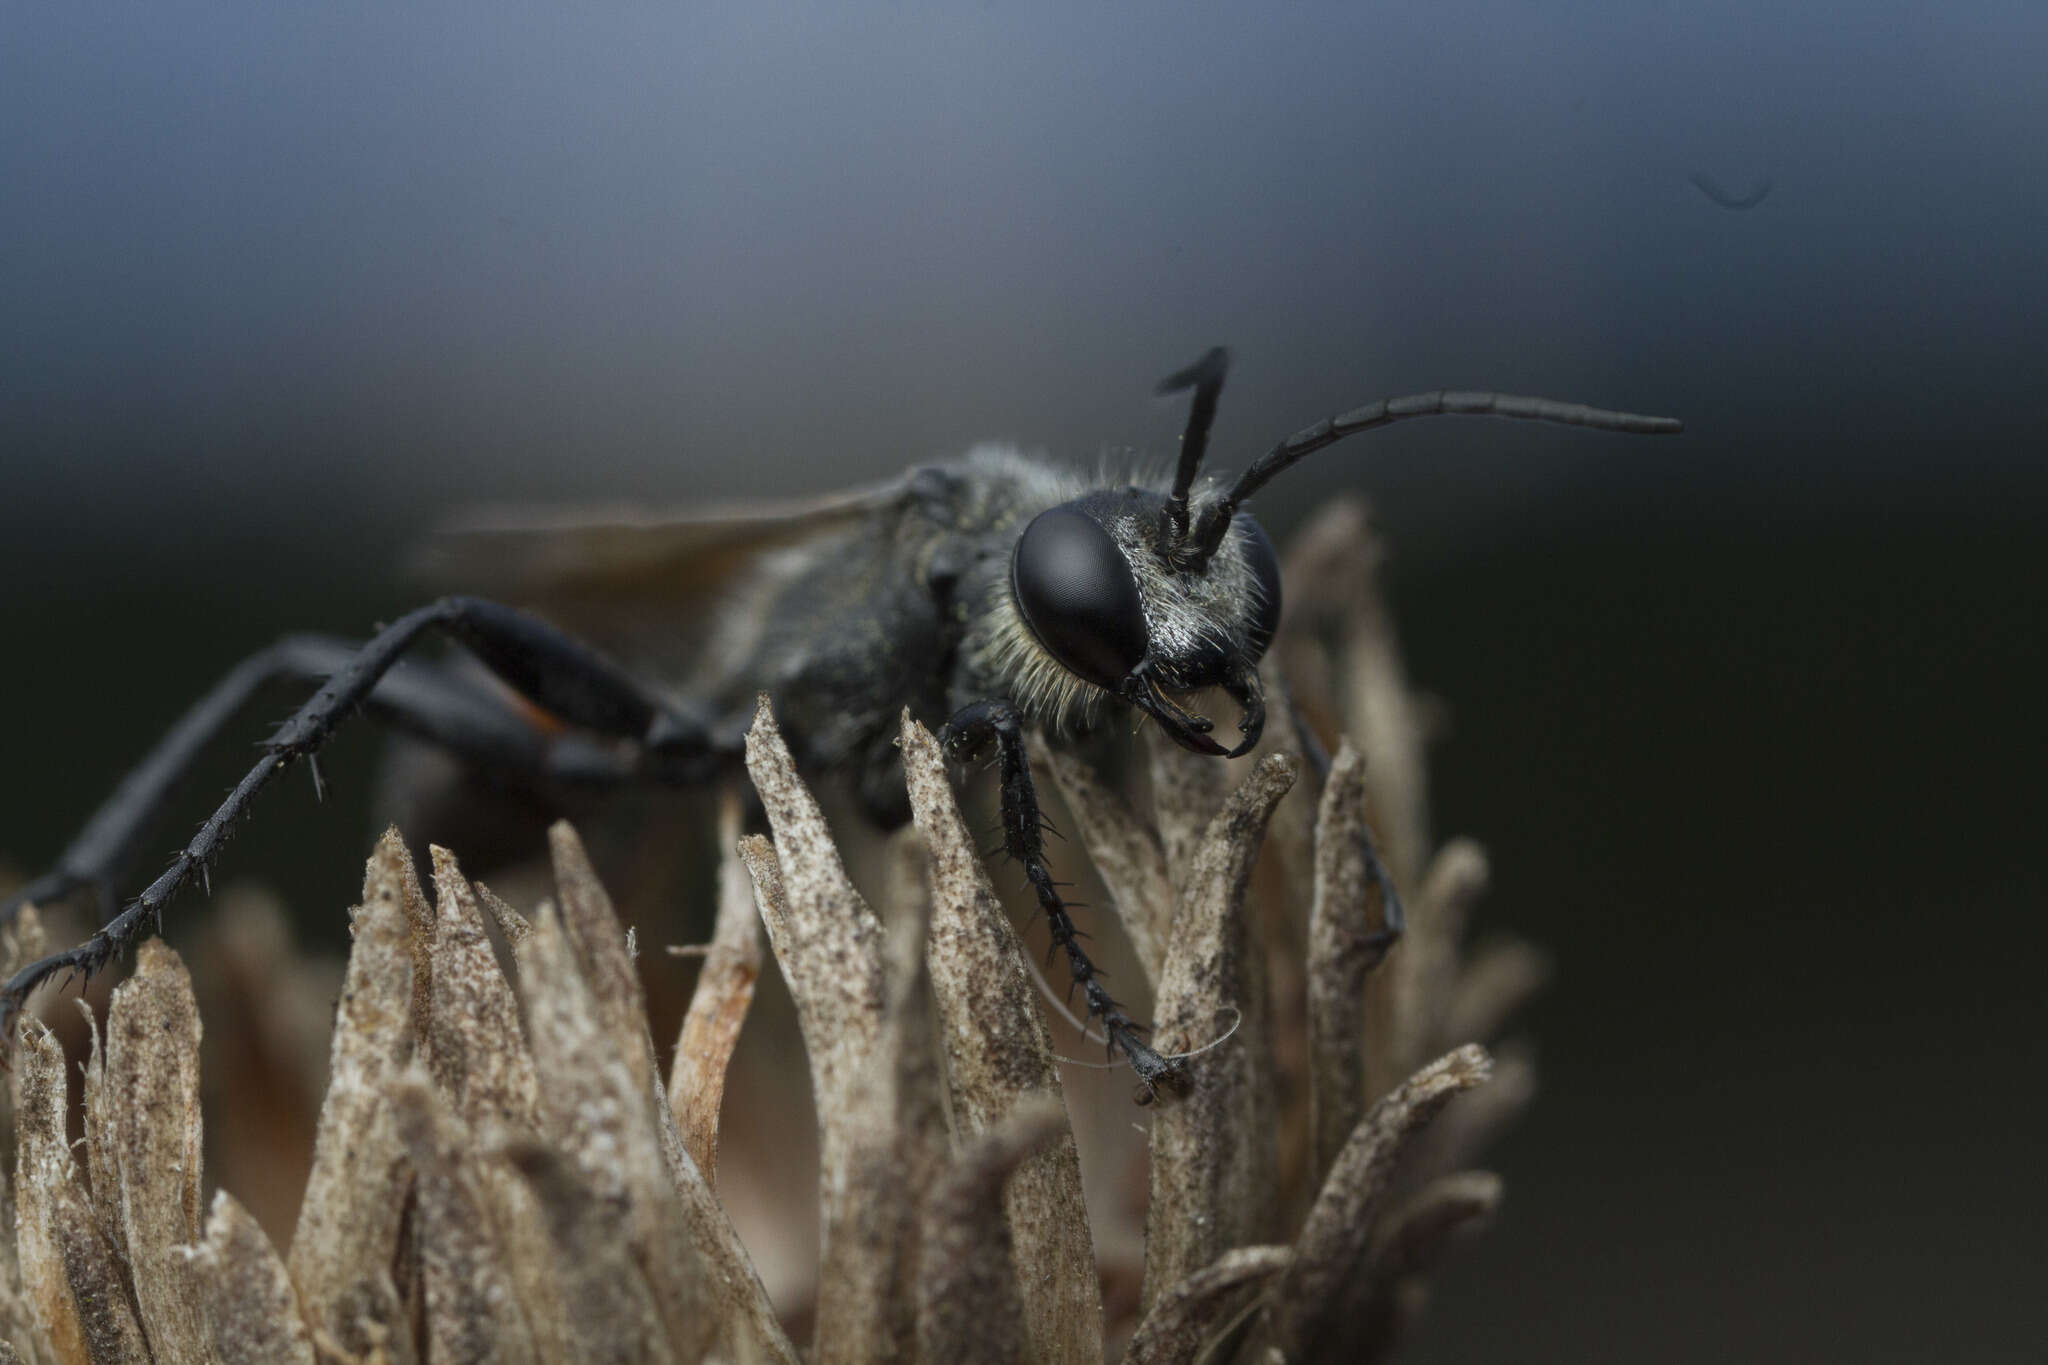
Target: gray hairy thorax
(913, 608)
(845, 634)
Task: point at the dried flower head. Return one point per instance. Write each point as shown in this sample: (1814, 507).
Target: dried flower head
(501, 1171)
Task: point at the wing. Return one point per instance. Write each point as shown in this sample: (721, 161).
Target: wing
(627, 553)
(638, 582)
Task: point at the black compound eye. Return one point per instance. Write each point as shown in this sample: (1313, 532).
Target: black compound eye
(1265, 566)
(1075, 590)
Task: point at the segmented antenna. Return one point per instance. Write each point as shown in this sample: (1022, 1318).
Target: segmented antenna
(1205, 377)
(1216, 519)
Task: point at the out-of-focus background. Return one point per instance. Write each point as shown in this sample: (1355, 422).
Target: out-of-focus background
(1750, 719)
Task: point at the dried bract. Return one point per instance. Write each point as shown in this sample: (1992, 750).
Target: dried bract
(343, 1255)
(251, 1307)
(718, 1007)
(1212, 1152)
(999, 1062)
(969, 1306)
(499, 1172)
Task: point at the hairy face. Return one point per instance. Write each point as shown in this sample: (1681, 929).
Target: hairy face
(1094, 590)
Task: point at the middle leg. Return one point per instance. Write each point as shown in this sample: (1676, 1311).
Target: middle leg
(967, 735)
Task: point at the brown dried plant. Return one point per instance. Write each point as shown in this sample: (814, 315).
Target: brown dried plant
(501, 1171)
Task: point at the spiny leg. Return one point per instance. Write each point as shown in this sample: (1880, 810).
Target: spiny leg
(562, 675)
(458, 713)
(967, 735)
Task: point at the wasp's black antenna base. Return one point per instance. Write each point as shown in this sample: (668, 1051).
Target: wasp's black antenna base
(1205, 377)
(567, 678)
(968, 734)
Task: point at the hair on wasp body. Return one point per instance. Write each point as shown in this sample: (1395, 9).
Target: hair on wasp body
(996, 594)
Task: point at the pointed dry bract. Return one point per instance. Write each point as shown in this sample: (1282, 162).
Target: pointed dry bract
(606, 1126)
(22, 941)
(748, 1328)
(477, 1053)
(1184, 1324)
(70, 1274)
(1213, 1157)
(613, 1316)
(251, 1308)
(343, 1252)
(1331, 572)
(999, 1058)
(1418, 1236)
(1442, 1209)
(827, 941)
(93, 1278)
(419, 921)
(914, 1093)
(152, 1121)
(1284, 892)
(604, 952)
(1310, 1312)
(751, 1329)
(718, 1007)
(510, 922)
(480, 1059)
(685, 1243)
(472, 1311)
(829, 945)
(18, 1334)
(1347, 936)
(1441, 909)
(103, 1179)
(899, 1151)
(1290, 841)
(1473, 1122)
(372, 1322)
(969, 1309)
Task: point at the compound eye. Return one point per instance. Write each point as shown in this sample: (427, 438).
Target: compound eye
(1264, 563)
(1075, 590)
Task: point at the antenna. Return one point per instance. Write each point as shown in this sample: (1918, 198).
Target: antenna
(1438, 402)
(1205, 377)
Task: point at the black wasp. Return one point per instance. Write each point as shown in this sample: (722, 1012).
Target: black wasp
(996, 593)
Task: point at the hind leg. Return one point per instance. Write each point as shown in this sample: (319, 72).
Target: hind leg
(460, 714)
(620, 732)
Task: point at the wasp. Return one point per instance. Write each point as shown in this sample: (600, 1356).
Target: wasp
(993, 595)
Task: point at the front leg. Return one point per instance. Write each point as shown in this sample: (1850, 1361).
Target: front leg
(968, 735)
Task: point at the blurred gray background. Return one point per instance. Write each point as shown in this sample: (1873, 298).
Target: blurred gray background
(1749, 719)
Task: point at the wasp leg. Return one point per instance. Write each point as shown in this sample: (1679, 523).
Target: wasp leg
(563, 676)
(460, 714)
(969, 734)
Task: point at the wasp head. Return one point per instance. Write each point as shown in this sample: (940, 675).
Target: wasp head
(1102, 591)
(1143, 594)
